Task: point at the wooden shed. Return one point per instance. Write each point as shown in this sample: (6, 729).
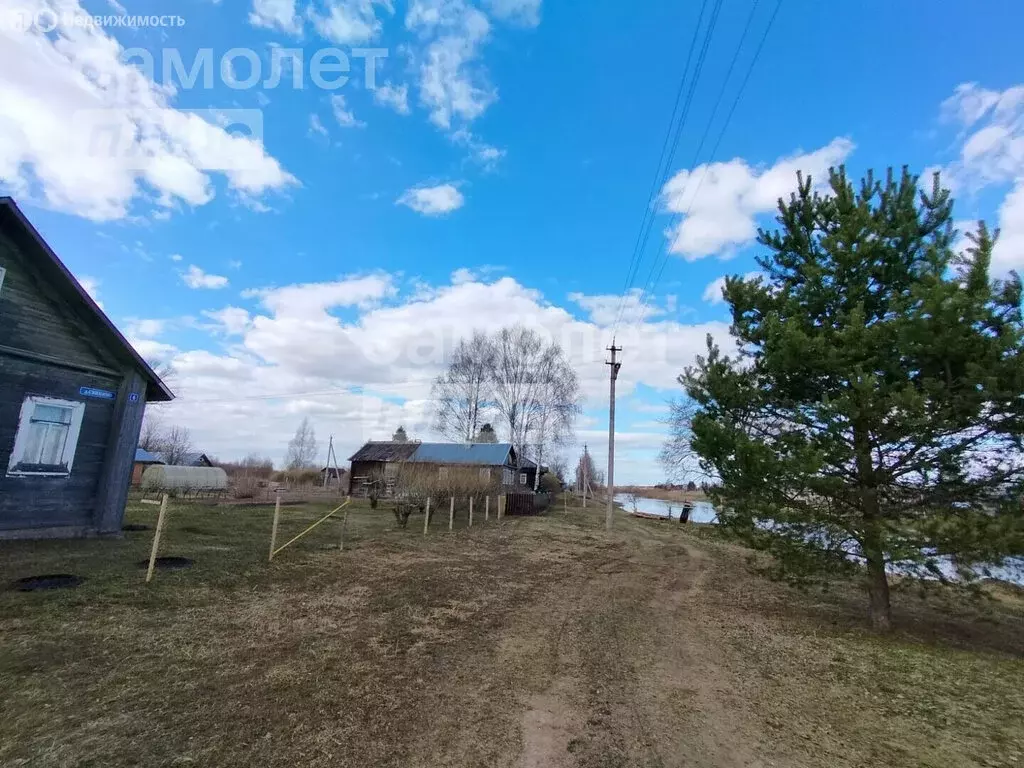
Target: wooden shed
(72, 396)
(381, 461)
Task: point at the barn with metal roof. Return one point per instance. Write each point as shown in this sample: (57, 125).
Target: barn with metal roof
(380, 460)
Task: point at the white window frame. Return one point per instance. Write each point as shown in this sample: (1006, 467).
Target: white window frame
(77, 408)
(522, 478)
(506, 477)
(485, 474)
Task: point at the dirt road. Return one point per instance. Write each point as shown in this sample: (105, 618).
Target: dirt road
(534, 643)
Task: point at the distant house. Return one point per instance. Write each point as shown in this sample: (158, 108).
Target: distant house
(143, 459)
(383, 459)
(528, 469)
(332, 476)
(72, 396)
(186, 459)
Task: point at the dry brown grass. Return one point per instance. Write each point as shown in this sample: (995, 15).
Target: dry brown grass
(650, 492)
(533, 642)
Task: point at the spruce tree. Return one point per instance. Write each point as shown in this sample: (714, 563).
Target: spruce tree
(873, 412)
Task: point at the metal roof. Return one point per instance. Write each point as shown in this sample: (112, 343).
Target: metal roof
(486, 454)
(145, 457)
(194, 459)
(384, 451)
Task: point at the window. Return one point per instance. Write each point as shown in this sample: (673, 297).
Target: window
(47, 436)
(506, 477)
(443, 473)
(522, 478)
(485, 475)
(2, 273)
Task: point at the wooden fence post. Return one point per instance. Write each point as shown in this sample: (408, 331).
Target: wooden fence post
(487, 508)
(277, 519)
(344, 524)
(451, 515)
(470, 511)
(156, 538)
(426, 517)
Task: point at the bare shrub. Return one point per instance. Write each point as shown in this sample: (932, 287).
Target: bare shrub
(245, 487)
(415, 483)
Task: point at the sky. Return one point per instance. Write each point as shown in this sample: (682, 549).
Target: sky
(303, 206)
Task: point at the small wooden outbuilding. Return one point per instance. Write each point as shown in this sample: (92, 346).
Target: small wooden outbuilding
(72, 396)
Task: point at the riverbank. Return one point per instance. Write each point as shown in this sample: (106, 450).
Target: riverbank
(650, 492)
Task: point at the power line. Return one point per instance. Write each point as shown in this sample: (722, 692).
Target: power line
(698, 69)
(655, 182)
(714, 151)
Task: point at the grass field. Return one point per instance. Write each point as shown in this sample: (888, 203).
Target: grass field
(650, 492)
(530, 642)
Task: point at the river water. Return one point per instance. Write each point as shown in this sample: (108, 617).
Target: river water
(702, 512)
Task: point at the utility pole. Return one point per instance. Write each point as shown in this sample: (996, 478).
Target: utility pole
(611, 435)
(327, 466)
(586, 474)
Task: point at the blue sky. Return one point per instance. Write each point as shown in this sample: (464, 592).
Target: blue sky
(500, 177)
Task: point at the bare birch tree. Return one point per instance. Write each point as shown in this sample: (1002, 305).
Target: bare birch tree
(677, 456)
(536, 390)
(151, 438)
(302, 447)
(175, 445)
(462, 393)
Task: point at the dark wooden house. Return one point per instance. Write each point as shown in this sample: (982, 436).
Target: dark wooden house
(190, 459)
(72, 395)
(380, 461)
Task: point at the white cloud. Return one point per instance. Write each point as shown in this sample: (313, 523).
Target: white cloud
(525, 12)
(344, 116)
(433, 201)
(713, 293)
(992, 144)
(232, 321)
(350, 22)
(720, 202)
(235, 264)
(176, 257)
(153, 350)
(195, 277)
(359, 359)
(480, 152)
(146, 327)
(968, 103)
(394, 96)
(452, 85)
(991, 152)
(116, 6)
(304, 299)
(276, 14)
(463, 275)
(128, 142)
(315, 126)
(91, 286)
(604, 310)
(1009, 250)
